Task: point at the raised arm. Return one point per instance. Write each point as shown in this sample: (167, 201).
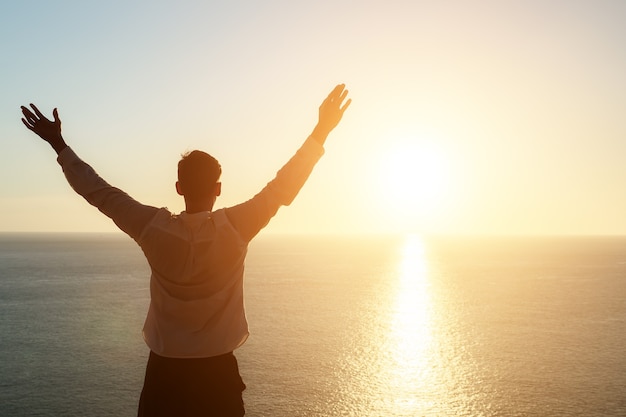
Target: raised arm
(250, 217)
(128, 214)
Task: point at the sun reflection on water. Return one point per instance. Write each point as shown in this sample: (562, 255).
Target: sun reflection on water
(393, 367)
(412, 311)
(410, 339)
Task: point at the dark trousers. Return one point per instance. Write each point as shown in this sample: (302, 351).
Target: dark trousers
(192, 387)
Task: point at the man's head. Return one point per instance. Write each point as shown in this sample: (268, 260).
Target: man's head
(198, 178)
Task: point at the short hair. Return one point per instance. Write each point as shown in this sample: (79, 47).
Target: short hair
(198, 172)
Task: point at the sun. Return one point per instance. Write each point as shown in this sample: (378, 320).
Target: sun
(414, 178)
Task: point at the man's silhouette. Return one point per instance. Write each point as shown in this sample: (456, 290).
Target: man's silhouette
(196, 317)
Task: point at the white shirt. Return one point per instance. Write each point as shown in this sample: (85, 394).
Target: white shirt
(197, 260)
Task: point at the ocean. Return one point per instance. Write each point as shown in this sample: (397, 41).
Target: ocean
(340, 326)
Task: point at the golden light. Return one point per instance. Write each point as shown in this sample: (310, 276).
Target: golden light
(411, 331)
(414, 180)
(411, 326)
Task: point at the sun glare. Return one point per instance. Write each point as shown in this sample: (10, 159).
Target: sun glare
(414, 180)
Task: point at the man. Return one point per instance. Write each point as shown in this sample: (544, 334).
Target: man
(196, 317)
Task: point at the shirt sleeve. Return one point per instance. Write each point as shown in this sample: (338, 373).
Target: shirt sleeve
(250, 217)
(128, 214)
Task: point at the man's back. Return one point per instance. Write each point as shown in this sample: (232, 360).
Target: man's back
(196, 287)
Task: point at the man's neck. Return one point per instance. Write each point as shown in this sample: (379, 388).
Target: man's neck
(192, 207)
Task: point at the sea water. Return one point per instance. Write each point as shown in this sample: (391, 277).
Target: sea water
(340, 326)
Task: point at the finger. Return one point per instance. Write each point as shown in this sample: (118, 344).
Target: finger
(30, 117)
(55, 114)
(27, 113)
(336, 92)
(27, 125)
(345, 106)
(343, 96)
(37, 112)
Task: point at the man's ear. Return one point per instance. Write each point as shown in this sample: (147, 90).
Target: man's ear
(218, 189)
(179, 188)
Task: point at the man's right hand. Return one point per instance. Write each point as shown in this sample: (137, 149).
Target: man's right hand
(331, 112)
(48, 130)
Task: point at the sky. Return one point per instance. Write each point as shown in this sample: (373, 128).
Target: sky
(468, 117)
